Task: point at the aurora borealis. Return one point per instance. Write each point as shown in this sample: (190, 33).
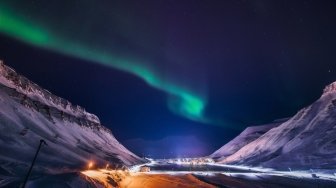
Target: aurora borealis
(182, 100)
(167, 72)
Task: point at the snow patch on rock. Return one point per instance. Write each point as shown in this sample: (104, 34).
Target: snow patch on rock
(329, 88)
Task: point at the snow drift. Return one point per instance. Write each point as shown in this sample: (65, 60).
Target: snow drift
(29, 113)
(307, 140)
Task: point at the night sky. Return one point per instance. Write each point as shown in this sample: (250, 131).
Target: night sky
(175, 78)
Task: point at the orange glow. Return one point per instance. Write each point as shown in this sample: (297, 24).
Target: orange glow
(90, 165)
(105, 177)
(120, 178)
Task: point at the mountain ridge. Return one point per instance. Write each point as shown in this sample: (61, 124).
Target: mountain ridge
(12, 79)
(303, 141)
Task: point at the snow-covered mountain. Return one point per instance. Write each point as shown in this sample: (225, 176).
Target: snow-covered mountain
(307, 140)
(248, 135)
(29, 113)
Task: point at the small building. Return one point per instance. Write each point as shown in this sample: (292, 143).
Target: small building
(144, 169)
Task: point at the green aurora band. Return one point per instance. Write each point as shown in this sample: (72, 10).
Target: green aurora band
(182, 101)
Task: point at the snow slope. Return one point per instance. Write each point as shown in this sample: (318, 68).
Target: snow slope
(29, 113)
(248, 135)
(307, 140)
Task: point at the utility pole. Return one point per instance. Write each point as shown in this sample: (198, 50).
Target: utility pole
(33, 162)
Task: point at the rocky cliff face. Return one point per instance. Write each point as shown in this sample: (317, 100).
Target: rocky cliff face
(26, 87)
(307, 140)
(29, 113)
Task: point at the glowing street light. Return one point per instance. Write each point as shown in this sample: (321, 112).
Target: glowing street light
(90, 165)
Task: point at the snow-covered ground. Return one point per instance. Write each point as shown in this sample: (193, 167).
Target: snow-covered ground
(225, 176)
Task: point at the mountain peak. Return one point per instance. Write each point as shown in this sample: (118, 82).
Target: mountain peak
(330, 88)
(10, 78)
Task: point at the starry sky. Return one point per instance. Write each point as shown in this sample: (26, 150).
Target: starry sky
(177, 77)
